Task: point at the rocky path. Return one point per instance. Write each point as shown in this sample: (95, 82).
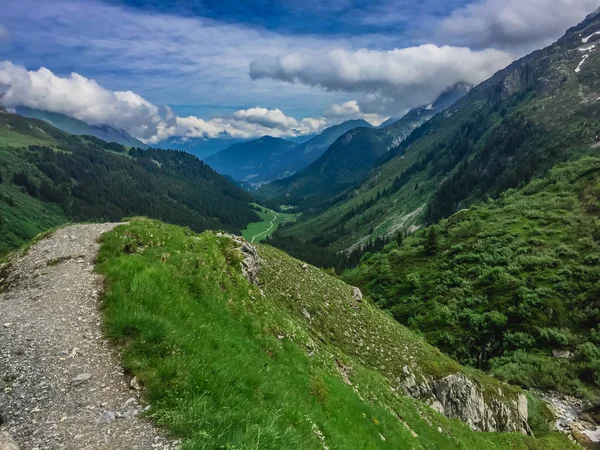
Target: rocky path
(61, 385)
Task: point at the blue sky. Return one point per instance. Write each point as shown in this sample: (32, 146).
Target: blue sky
(243, 69)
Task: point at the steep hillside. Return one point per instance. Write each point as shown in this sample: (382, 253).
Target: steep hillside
(49, 177)
(540, 110)
(351, 157)
(510, 286)
(257, 349)
(266, 159)
(80, 128)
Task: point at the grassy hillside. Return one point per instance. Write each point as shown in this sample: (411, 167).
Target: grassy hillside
(502, 285)
(49, 177)
(514, 126)
(295, 362)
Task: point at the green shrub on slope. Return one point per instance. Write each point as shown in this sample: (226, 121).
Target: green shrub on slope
(510, 281)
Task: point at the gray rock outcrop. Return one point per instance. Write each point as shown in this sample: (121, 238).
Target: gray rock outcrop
(251, 262)
(458, 397)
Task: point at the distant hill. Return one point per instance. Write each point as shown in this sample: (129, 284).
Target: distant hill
(49, 177)
(266, 159)
(350, 158)
(78, 127)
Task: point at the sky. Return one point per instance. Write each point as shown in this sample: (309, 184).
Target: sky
(164, 69)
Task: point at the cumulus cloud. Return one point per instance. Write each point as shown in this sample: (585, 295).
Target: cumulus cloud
(391, 79)
(515, 25)
(84, 99)
(352, 110)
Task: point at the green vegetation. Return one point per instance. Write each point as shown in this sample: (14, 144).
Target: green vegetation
(503, 133)
(296, 363)
(501, 285)
(270, 221)
(49, 177)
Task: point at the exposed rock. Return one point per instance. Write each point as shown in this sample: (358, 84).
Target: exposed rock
(80, 379)
(306, 314)
(107, 417)
(250, 263)
(130, 414)
(6, 442)
(305, 266)
(561, 353)
(456, 396)
(3, 408)
(135, 384)
(357, 294)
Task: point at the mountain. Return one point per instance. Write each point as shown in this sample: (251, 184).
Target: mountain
(49, 177)
(255, 161)
(298, 359)
(540, 110)
(266, 159)
(350, 158)
(389, 122)
(200, 147)
(78, 127)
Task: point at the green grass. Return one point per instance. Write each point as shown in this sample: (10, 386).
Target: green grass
(228, 365)
(259, 231)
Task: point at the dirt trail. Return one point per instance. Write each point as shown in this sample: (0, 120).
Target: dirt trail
(61, 385)
(269, 229)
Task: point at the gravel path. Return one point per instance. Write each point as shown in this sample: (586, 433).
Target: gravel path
(61, 384)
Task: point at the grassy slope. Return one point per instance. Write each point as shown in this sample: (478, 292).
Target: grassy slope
(229, 365)
(514, 278)
(258, 230)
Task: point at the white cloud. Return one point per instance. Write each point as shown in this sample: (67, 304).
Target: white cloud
(519, 26)
(352, 110)
(390, 80)
(84, 99)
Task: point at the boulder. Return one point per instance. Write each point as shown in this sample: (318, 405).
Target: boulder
(357, 294)
(561, 353)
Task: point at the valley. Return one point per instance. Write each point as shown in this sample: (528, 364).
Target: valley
(408, 257)
(259, 231)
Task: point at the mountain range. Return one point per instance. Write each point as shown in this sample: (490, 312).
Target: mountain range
(540, 110)
(470, 225)
(267, 158)
(350, 158)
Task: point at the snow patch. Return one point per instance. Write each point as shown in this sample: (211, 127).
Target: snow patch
(587, 49)
(430, 106)
(586, 39)
(581, 63)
